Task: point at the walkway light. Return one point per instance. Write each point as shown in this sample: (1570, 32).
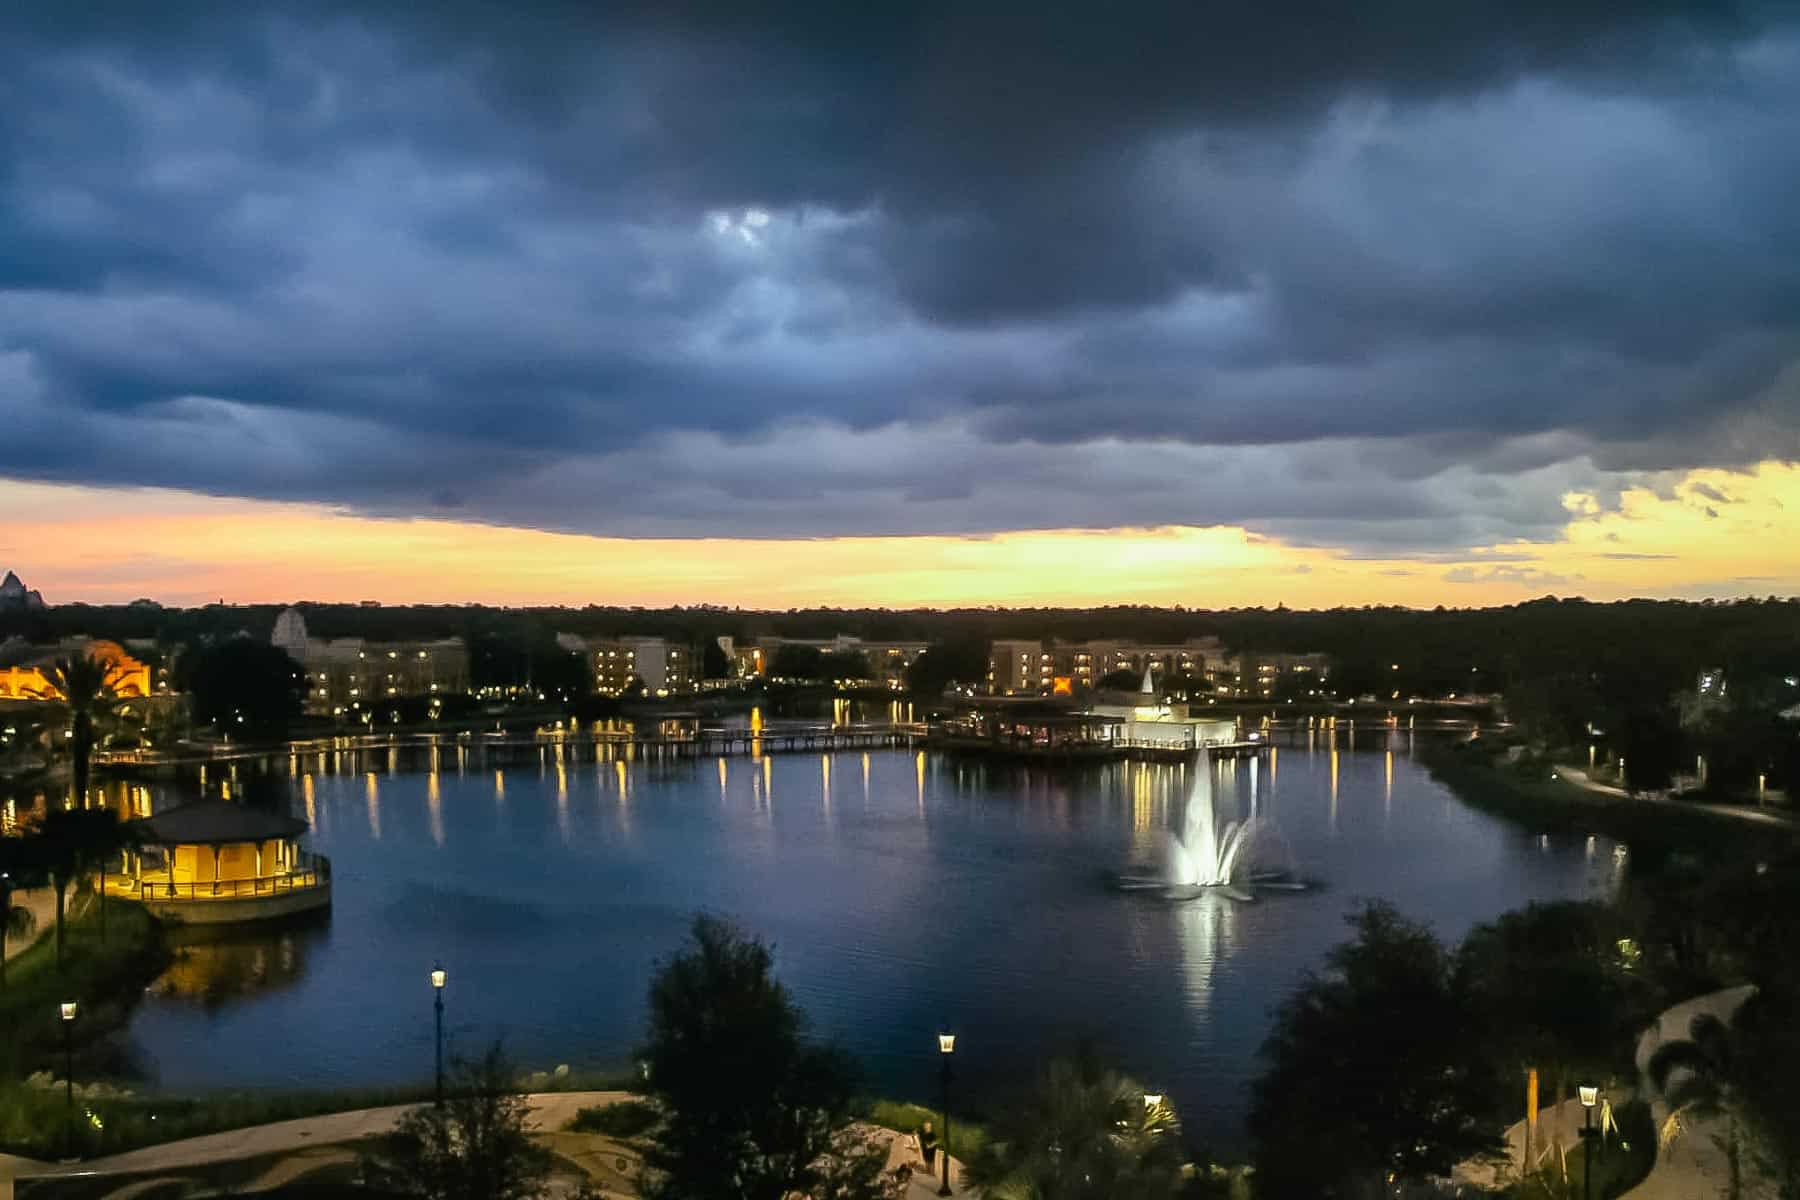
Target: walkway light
(1590, 1096)
(68, 1021)
(1152, 1100)
(946, 1047)
(438, 978)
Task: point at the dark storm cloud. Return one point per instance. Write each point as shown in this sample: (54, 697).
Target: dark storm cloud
(1384, 274)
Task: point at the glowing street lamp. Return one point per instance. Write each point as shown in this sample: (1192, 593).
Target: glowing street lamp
(946, 1047)
(1590, 1096)
(438, 979)
(69, 1009)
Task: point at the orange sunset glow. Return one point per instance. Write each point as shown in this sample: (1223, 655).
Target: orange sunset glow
(1712, 533)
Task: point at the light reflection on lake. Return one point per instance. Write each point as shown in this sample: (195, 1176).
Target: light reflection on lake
(901, 890)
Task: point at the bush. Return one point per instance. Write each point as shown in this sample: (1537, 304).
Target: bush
(626, 1119)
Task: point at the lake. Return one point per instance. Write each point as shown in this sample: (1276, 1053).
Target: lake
(902, 891)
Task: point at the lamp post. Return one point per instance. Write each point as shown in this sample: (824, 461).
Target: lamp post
(1589, 1097)
(68, 1022)
(437, 986)
(946, 1047)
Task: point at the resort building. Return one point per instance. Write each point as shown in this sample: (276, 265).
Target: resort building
(346, 674)
(1019, 668)
(888, 660)
(26, 670)
(214, 861)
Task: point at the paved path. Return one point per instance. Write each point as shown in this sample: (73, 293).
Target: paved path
(309, 1143)
(1778, 818)
(1691, 1166)
(41, 903)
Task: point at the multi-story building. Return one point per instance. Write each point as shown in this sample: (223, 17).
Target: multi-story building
(1087, 662)
(343, 674)
(1261, 674)
(888, 660)
(1017, 667)
(664, 667)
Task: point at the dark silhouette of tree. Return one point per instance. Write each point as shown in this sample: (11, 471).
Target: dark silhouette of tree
(848, 664)
(1084, 1132)
(1370, 1070)
(474, 1147)
(244, 687)
(713, 662)
(1122, 680)
(68, 843)
(797, 662)
(85, 687)
(1550, 990)
(753, 1108)
(958, 661)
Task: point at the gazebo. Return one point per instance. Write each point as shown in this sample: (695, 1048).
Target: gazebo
(214, 861)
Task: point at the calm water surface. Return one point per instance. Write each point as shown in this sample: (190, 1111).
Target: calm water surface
(902, 891)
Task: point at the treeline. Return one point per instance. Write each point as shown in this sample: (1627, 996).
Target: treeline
(1437, 651)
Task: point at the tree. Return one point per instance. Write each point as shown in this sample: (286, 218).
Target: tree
(1083, 1133)
(1551, 991)
(1704, 1076)
(474, 1147)
(244, 687)
(958, 661)
(86, 686)
(793, 661)
(1370, 1070)
(847, 664)
(66, 844)
(754, 1110)
(713, 662)
(1770, 1044)
(1122, 680)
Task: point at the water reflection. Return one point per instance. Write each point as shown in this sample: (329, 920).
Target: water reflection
(1205, 930)
(214, 969)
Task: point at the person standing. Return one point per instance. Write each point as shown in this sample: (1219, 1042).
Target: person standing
(928, 1142)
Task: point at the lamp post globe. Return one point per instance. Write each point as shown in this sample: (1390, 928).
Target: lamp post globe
(438, 979)
(1590, 1096)
(946, 1048)
(68, 1010)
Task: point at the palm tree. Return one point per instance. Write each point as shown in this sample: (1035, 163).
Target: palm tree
(67, 843)
(1711, 1066)
(86, 685)
(1083, 1133)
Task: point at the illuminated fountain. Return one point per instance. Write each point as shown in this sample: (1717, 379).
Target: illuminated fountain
(1205, 854)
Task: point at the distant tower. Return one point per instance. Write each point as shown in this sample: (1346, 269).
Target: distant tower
(290, 634)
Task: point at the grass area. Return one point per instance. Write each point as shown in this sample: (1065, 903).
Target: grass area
(966, 1137)
(104, 977)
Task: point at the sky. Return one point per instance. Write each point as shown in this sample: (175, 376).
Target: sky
(905, 304)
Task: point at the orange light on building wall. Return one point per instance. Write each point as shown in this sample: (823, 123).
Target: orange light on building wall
(1062, 685)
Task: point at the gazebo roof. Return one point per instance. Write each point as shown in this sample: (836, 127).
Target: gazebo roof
(216, 822)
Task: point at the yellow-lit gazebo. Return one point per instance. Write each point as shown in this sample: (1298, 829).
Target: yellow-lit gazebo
(214, 861)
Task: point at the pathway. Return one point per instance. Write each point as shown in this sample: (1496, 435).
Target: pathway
(1778, 818)
(41, 903)
(1691, 1166)
(299, 1146)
